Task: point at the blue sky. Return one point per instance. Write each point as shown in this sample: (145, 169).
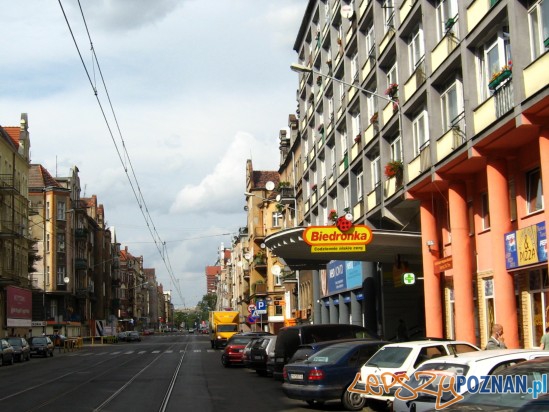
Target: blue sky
(197, 87)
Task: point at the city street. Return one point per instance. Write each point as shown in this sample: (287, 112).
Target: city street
(171, 372)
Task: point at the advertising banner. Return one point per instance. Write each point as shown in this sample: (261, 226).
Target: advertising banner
(343, 275)
(526, 246)
(18, 307)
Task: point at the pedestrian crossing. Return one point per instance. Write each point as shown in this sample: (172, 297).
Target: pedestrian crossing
(138, 352)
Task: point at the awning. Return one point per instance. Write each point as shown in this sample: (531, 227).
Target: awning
(386, 247)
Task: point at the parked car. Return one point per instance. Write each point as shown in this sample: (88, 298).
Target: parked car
(122, 336)
(21, 348)
(261, 350)
(478, 363)
(133, 336)
(41, 345)
(403, 358)
(232, 354)
(7, 354)
(291, 337)
(247, 349)
(327, 374)
(506, 401)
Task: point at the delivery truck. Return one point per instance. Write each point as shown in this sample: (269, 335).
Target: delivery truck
(223, 325)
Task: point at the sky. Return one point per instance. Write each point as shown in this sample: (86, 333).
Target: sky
(197, 87)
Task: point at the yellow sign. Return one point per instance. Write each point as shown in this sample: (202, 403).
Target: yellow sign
(332, 236)
(341, 248)
(527, 240)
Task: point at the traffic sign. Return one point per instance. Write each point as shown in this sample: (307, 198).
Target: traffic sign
(251, 308)
(252, 319)
(261, 307)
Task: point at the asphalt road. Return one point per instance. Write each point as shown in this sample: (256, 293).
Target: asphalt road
(165, 373)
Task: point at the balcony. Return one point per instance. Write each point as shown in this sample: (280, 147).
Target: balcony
(536, 75)
(81, 233)
(260, 289)
(80, 263)
(374, 197)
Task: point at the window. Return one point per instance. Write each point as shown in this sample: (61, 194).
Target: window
(416, 49)
(493, 56)
(359, 185)
(447, 18)
(61, 210)
(538, 17)
(452, 105)
(48, 210)
(512, 200)
(371, 107)
(341, 93)
(388, 14)
(277, 219)
(61, 275)
(375, 172)
(420, 132)
(392, 76)
(322, 170)
(396, 149)
(370, 42)
(356, 124)
(485, 211)
(534, 195)
(61, 242)
(331, 108)
(333, 159)
(346, 198)
(47, 242)
(343, 141)
(354, 67)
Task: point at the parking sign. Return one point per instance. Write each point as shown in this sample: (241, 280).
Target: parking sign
(261, 306)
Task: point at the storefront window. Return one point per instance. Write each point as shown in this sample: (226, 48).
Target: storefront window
(489, 303)
(540, 303)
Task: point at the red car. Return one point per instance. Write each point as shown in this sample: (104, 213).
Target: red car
(232, 355)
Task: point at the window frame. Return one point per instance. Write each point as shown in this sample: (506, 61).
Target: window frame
(447, 122)
(536, 198)
(536, 32)
(420, 145)
(416, 42)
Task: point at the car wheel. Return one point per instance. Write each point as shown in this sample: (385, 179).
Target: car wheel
(51, 354)
(352, 401)
(12, 360)
(224, 361)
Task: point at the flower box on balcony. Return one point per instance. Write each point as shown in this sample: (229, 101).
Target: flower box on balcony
(498, 78)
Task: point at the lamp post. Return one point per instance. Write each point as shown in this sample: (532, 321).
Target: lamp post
(299, 68)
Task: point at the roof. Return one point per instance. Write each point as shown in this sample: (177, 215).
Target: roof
(39, 177)
(261, 177)
(385, 246)
(13, 133)
(478, 356)
(425, 343)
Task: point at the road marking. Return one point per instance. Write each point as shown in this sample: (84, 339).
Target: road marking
(155, 351)
(128, 352)
(169, 351)
(115, 353)
(141, 352)
(197, 350)
(211, 350)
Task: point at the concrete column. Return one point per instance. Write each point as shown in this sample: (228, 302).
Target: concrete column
(343, 311)
(500, 223)
(325, 318)
(372, 298)
(431, 281)
(463, 266)
(317, 317)
(356, 310)
(334, 317)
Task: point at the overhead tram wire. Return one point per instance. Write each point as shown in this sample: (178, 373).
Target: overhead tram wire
(137, 194)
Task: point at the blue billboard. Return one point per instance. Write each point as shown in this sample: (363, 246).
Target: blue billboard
(343, 275)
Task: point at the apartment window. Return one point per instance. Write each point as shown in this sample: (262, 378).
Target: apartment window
(485, 211)
(512, 199)
(359, 185)
(61, 273)
(346, 198)
(355, 122)
(493, 56)
(396, 149)
(371, 106)
(341, 93)
(538, 16)
(392, 76)
(61, 242)
(322, 170)
(333, 159)
(306, 145)
(48, 210)
(278, 279)
(354, 67)
(370, 42)
(343, 143)
(61, 210)
(327, 9)
(447, 18)
(331, 108)
(452, 105)
(534, 190)
(47, 242)
(277, 219)
(416, 49)
(420, 132)
(375, 171)
(388, 14)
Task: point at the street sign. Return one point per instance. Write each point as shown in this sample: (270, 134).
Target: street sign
(252, 319)
(251, 308)
(261, 307)
(408, 278)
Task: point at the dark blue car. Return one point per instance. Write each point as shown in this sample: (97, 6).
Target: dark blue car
(327, 374)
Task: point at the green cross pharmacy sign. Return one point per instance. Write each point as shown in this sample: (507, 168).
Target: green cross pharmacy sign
(408, 278)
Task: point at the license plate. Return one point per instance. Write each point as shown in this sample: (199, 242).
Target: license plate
(296, 376)
(257, 357)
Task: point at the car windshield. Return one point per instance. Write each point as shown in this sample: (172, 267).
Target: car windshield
(241, 340)
(302, 354)
(331, 354)
(39, 340)
(227, 328)
(389, 357)
(14, 341)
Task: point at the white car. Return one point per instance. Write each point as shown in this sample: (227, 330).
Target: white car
(466, 364)
(402, 358)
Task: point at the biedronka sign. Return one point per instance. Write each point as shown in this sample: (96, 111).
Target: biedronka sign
(326, 239)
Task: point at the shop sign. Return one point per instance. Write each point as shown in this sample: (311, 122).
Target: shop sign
(443, 264)
(526, 246)
(326, 239)
(343, 275)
